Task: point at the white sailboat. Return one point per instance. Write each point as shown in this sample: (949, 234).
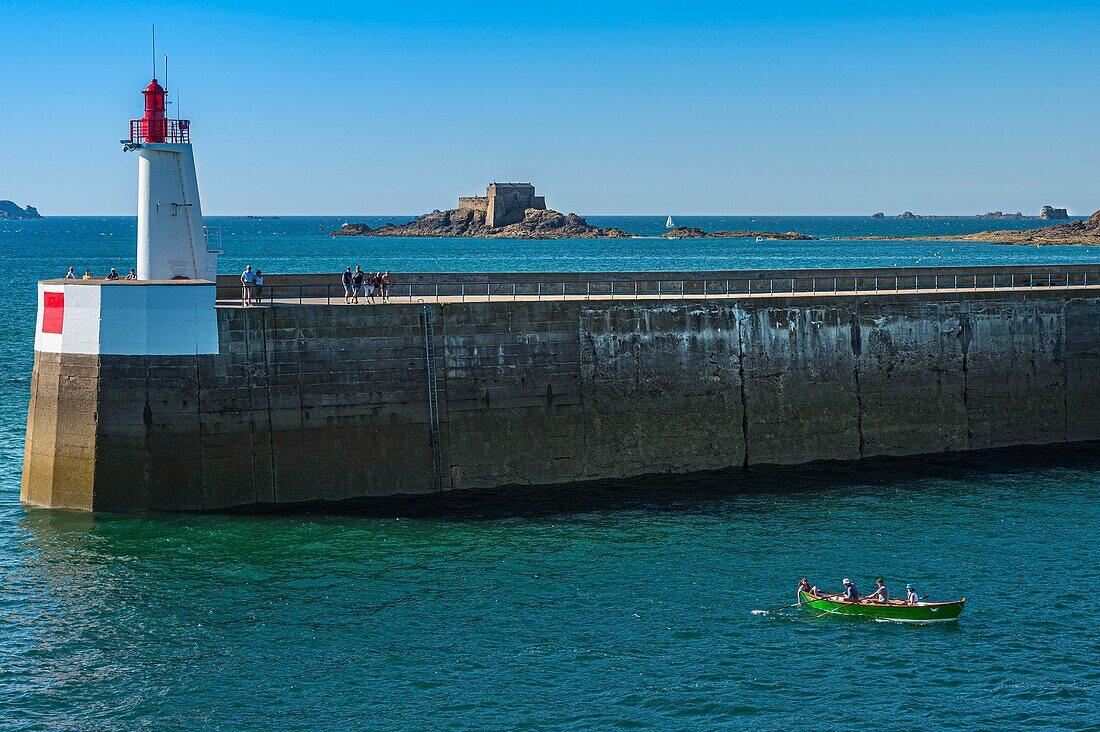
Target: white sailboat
(669, 224)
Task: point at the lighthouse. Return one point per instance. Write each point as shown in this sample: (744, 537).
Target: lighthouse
(171, 239)
(98, 341)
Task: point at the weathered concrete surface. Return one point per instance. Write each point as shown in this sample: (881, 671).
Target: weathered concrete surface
(912, 383)
(328, 403)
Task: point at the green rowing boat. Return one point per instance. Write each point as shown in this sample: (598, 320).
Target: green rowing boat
(896, 610)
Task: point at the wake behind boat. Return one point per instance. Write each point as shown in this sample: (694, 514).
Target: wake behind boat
(895, 610)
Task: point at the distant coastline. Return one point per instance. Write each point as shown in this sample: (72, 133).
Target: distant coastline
(1078, 232)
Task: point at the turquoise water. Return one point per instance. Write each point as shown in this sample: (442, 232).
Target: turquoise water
(623, 608)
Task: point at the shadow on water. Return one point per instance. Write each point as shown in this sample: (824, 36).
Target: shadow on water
(703, 492)
(700, 491)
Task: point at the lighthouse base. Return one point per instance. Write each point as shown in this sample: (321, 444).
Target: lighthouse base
(94, 441)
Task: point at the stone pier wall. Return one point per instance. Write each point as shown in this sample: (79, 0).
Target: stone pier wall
(308, 403)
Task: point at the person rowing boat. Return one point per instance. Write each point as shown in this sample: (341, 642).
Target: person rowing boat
(850, 593)
(911, 595)
(881, 594)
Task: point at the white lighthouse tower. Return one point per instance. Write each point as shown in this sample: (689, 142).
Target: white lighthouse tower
(171, 240)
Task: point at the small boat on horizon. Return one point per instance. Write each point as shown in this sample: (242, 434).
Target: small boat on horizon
(894, 611)
(669, 224)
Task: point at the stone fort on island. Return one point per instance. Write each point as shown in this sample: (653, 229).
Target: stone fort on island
(504, 203)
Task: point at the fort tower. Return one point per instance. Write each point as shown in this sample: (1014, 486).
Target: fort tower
(504, 203)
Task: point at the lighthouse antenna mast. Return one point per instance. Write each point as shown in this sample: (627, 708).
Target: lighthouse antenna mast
(154, 36)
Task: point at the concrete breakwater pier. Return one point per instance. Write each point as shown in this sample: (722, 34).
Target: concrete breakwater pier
(296, 403)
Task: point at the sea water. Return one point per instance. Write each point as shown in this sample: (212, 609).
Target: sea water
(625, 606)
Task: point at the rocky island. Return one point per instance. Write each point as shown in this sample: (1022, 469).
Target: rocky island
(9, 211)
(506, 211)
(1001, 215)
(691, 232)
(465, 222)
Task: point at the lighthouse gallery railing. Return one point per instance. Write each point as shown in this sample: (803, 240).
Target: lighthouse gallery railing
(173, 131)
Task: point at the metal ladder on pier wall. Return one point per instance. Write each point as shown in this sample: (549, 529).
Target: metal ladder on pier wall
(433, 396)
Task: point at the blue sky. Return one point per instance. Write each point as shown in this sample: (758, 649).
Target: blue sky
(609, 108)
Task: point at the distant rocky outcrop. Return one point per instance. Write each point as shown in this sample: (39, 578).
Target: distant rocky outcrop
(1049, 213)
(9, 211)
(1000, 215)
(692, 232)
(951, 217)
(467, 222)
(878, 215)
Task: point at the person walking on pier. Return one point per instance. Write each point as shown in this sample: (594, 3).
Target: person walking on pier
(346, 280)
(258, 283)
(385, 282)
(356, 285)
(247, 280)
(379, 286)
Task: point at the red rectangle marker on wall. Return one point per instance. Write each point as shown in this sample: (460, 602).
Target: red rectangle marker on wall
(53, 311)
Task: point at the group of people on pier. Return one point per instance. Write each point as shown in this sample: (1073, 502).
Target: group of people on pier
(252, 286)
(112, 275)
(375, 284)
(357, 283)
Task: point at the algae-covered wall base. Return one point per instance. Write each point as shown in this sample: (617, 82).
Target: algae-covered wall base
(324, 403)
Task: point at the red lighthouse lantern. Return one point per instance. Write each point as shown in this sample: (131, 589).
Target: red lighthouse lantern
(154, 125)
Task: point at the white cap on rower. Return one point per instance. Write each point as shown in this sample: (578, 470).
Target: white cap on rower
(846, 581)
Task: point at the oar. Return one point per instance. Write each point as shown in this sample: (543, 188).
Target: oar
(835, 610)
(775, 609)
(784, 607)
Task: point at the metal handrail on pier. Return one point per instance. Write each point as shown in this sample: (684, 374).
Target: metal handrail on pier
(679, 289)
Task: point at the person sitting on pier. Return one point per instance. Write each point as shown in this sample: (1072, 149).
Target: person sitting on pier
(850, 594)
(71, 274)
(911, 595)
(881, 594)
(87, 275)
(113, 274)
(131, 276)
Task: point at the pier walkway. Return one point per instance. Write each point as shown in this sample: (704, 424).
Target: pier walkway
(426, 288)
